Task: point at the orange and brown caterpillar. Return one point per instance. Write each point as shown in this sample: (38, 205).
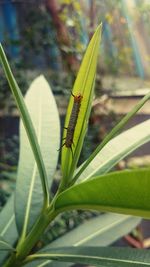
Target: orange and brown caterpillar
(72, 121)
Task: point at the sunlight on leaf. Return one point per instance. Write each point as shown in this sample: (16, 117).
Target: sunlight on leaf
(83, 86)
(125, 192)
(43, 111)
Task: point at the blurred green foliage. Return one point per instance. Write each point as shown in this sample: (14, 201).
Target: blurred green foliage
(9, 153)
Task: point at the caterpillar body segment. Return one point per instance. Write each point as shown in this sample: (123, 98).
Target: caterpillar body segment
(72, 121)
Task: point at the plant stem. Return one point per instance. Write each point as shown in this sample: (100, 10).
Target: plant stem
(25, 247)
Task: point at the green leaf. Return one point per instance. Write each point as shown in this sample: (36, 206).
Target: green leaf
(43, 111)
(27, 124)
(100, 231)
(8, 230)
(117, 149)
(112, 133)
(98, 256)
(125, 192)
(5, 245)
(84, 86)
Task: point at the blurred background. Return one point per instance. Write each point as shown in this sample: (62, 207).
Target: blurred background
(50, 37)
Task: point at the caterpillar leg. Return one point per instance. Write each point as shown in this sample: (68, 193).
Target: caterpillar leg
(61, 146)
(72, 94)
(71, 151)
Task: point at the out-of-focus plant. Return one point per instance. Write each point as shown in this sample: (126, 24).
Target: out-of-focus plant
(5, 96)
(67, 18)
(38, 38)
(8, 166)
(118, 49)
(72, 15)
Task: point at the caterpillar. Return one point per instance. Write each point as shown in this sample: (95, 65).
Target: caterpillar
(72, 121)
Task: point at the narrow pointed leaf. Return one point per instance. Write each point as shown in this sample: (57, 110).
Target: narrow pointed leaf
(98, 256)
(100, 231)
(112, 133)
(42, 108)
(125, 192)
(27, 123)
(83, 86)
(117, 149)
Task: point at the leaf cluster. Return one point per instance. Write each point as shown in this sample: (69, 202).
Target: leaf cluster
(88, 187)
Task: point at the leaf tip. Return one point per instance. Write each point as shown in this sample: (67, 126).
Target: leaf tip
(1, 47)
(99, 28)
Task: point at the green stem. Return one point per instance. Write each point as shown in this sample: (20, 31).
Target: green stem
(25, 247)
